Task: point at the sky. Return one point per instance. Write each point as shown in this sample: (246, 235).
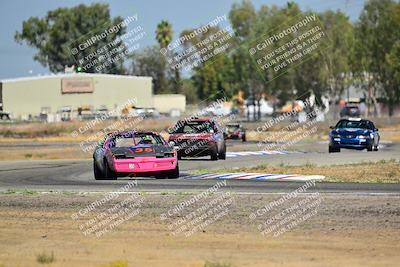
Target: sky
(16, 60)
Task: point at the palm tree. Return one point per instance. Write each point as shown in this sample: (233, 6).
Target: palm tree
(164, 37)
(164, 33)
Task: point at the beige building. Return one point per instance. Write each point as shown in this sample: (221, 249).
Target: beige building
(30, 96)
(168, 103)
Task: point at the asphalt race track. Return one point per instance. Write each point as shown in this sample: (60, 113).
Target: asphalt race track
(76, 175)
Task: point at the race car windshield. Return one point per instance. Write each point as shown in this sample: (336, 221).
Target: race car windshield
(145, 139)
(195, 127)
(353, 124)
(233, 127)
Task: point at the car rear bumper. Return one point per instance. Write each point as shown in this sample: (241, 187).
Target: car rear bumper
(144, 164)
(196, 151)
(195, 148)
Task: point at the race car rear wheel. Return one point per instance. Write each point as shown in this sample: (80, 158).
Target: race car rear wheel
(244, 138)
(108, 173)
(174, 173)
(214, 153)
(98, 174)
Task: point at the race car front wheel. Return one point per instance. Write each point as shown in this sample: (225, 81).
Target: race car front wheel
(369, 147)
(334, 149)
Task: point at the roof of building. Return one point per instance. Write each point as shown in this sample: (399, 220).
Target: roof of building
(72, 75)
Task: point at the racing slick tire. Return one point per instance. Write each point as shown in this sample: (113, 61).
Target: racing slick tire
(244, 138)
(108, 173)
(174, 174)
(334, 149)
(376, 148)
(98, 174)
(214, 153)
(222, 154)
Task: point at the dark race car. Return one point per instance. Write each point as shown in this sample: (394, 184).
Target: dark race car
(350, 111)
(235, 131)
(354, 134)
(198, 137)
(132, 153)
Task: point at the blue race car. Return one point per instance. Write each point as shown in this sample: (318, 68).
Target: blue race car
(354, 134)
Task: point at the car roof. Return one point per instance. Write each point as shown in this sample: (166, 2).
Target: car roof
(351, 106)
(197, 119)
(131, 132)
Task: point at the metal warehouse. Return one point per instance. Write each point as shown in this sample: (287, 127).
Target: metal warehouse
(31, 96)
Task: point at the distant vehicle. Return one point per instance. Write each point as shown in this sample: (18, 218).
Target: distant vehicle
(354, 134)
(265, 107)
(145, 112)
(134, 153)
(65, 113)
(350, 111)
(217, 109)
(235, 131)
(198, 137)
(5, 116)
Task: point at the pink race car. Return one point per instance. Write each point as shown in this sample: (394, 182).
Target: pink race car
(132, 153)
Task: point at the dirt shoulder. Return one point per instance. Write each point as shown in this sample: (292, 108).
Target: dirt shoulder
(346, 231)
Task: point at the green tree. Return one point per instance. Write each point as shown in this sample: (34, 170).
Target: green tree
(164, 33)
(148, 62)
(212, 78)
(242, 17)
(328, 71)
(338, 56)
(56, 34)
(267, 20)
(377, 38)
(189, 90)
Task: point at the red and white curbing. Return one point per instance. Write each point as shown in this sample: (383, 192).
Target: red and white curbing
(256, 176)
